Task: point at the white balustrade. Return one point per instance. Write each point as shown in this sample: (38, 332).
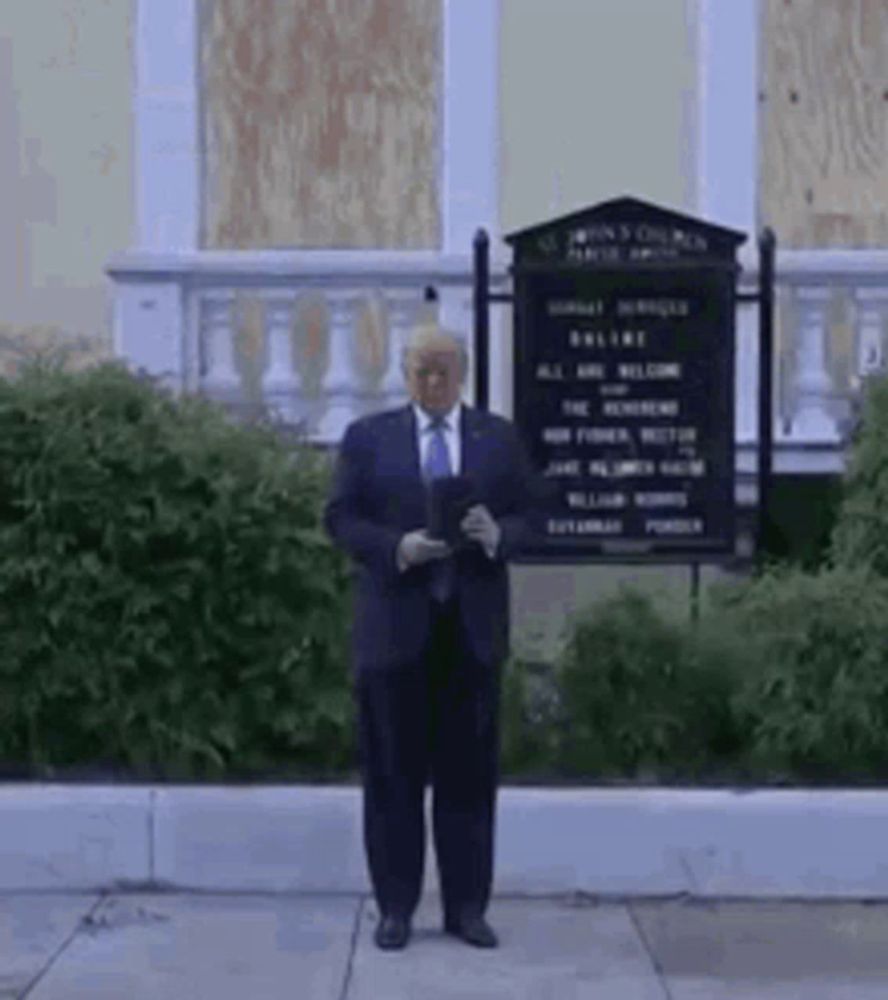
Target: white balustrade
(280, 384)
(812, 419)
(403, 312)
(217, 340)
(195, 337)
(339, 382)
(175, 313)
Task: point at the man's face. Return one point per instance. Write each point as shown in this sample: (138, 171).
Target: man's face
(434, 377)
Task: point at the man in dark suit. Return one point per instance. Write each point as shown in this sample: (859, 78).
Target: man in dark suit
(430, 633)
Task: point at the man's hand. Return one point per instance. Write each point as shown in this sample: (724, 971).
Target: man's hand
(417, 547)
(480, 526)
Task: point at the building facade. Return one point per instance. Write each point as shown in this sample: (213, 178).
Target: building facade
(251, 198)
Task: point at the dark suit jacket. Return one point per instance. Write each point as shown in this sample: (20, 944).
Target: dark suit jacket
(378, 495)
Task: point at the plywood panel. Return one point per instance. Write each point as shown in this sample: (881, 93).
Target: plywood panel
(824, 122)
(320, 123)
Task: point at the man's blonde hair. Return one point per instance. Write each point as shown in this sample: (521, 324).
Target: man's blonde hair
(435, 337)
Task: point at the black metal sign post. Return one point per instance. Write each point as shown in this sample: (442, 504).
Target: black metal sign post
(767, 254)
(624, 380)
(767, 248)
(481, 299)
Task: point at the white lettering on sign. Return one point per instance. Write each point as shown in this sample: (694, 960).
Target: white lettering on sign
(674, 526)
(641, 408)
(549, 371)
(668, 435)
(602, 435)
(661, 308)
(614, 389)
(602, 339)
(576, 307)
(651, 371)
(621, 468)
(585, 242)
(567, 467)
(594, 255)
(578, 500)
(661, 499)
(693, 469)
(590, 371)
(575, 407)
(589, 526)
(556, 435)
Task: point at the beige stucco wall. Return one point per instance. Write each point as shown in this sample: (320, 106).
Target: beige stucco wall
(65, 169)
(596, 101)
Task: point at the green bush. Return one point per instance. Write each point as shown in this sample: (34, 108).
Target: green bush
(784, 679)
(167, 596)
(816, 705)
(860, 537)
(644, 696)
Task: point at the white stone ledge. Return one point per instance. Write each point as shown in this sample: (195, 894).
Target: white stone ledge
(816, 267)
(855, 268)
(323, 266)
(624, 842)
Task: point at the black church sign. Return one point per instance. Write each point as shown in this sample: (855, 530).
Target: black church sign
(624, 379)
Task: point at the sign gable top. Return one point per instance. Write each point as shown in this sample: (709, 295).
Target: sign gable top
(629, 209)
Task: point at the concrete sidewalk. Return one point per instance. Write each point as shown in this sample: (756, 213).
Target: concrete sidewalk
(280, 947)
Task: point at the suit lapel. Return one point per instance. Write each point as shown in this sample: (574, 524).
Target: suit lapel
(408, 446)
(472, 442)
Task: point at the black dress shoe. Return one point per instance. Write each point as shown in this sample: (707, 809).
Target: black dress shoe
(392, 933)
(473, 930)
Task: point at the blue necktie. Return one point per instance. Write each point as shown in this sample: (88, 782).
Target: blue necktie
(436, 466)
(437, 463)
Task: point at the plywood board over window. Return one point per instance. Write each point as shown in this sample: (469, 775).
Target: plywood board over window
(824, 122)
(321, 123)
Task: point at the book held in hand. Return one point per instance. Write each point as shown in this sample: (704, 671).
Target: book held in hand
(449, 499)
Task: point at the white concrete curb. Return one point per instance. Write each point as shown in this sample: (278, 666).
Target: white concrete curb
(646, 842)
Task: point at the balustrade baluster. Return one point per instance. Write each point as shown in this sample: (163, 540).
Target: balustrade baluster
(280, 385)
(812, 419)
(220, 375)
(339, 384)
(404, 309)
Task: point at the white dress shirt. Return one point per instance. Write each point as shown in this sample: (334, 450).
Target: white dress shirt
(453, 441)
(451, 436)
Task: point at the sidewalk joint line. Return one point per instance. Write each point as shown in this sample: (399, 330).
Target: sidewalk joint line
(652, 958)
(353, 947)
(57, 954)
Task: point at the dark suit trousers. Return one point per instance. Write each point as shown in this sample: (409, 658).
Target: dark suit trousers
(437, 721)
